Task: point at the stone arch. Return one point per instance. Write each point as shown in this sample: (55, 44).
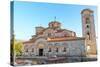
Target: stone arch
(40, 40)
(41, 46)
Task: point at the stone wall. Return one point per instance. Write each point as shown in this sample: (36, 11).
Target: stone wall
(59, 48)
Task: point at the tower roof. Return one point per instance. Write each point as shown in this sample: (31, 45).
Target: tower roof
(91, 11)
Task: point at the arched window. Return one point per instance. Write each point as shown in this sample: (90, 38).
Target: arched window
(64, 50)
(26, 50)
(56, 49)
(87, 21)
(88, 35)
(32, 49)
(49, 50)
(87, 26)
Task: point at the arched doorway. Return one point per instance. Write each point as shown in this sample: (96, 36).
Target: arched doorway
(40, 51)
(41, 47)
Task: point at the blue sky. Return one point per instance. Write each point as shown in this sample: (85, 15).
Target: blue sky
(28, 15)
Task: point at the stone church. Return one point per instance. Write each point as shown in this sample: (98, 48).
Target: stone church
(54, 41)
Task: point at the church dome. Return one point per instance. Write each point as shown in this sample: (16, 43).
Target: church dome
(54, 24)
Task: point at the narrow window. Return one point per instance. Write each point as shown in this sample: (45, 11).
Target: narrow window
(88, 35)
(87, 26)
(26, 50)
(49, 50)
(87, 21)
(56, 49)
(64, 49)
(32, 49)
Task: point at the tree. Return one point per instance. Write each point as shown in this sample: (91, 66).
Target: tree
(18, 47)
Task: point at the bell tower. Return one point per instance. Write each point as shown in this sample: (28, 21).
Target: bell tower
(88, 31)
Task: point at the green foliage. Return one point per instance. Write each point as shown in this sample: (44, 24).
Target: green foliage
(18, 47)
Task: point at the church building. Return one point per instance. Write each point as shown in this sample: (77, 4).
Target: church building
(54, 41)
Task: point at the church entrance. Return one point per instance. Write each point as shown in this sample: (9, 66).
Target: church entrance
(40, 52)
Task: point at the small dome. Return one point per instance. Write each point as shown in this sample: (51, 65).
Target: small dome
(54, 24)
